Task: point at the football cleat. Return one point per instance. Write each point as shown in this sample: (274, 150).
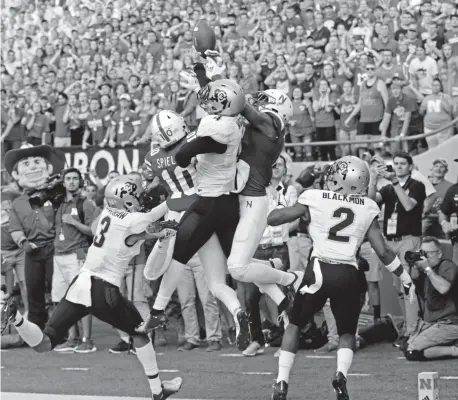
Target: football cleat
(339, 383)
(280, 390)
(169, 388)
(293, 288)
(243, 332)
(154, 321)
(8, 314)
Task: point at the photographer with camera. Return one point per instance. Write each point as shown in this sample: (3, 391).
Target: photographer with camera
(404, 199)
(448, 217)
(32, 228)
(436, 280)
(74, 217)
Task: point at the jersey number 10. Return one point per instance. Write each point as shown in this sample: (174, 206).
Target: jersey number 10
(179, 180)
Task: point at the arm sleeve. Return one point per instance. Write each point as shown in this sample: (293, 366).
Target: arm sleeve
(307, 198)
(449, 271)
(138, 222)
(200, 145)
(417, 191)
(199, 69)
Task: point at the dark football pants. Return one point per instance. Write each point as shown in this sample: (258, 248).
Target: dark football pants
(341, 284)
(108, 305)
(206, 216)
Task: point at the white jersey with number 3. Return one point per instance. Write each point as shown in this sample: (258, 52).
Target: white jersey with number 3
(338, 224)
(109, 255)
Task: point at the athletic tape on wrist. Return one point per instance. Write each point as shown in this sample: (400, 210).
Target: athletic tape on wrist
(394, 265)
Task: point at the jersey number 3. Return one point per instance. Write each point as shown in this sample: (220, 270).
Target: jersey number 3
(99, 238)
(349, 218)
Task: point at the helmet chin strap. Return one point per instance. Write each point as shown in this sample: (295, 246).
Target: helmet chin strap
(271, 112)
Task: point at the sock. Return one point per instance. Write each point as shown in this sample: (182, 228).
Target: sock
(169, 283)
(147, 356)
(344, 360)
(285, 363)
(29, 332)
(123, 336)
(273, 291)
(376, 312)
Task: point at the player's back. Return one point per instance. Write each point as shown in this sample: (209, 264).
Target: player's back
(338, 224)
(216, 172)
(108, 257)
(180, 183)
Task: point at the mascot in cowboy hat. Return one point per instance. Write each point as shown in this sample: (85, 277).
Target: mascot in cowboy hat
(33, 229)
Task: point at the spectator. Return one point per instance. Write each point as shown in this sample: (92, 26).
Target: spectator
(436, 279)
(12, 254)
(301, 125)
(403, 199)
(431, 225)
(438, 111)
(73, 220)
(12, 129)
(194, 278)
(448, 217)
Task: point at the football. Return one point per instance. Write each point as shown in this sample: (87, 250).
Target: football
(203, 37)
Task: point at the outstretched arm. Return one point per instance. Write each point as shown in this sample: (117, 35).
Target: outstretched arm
(200, 145)
(262, 121)
(286, 215)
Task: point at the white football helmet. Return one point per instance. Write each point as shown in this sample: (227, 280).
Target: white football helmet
(348, 175)
(168, 128)
(275, 102)
(124, 193)
(222, 97)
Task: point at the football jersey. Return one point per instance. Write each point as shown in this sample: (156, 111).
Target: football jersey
(338, 224)
(125, 124)
(180, 183)
(98, 123)
(216, 172)
(109, 255)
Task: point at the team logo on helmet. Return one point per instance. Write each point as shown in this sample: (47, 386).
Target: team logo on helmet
(342, 168)
(128, 189)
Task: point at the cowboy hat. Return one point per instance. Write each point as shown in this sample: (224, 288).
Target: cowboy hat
(12, 157)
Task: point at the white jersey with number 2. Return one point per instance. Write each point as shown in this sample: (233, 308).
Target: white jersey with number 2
(338, 224)
(109, 255)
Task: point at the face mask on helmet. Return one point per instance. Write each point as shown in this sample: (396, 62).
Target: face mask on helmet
(168, 128)
(222, 97)
(274, 101)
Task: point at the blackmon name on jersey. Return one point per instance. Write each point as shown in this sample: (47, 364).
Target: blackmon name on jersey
(338, 224)
(179, 182)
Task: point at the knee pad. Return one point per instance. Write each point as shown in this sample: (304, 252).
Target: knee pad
(415, 355)
(238, 271)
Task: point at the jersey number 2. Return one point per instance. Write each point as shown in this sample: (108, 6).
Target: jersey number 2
(349, 218)
(99, 238)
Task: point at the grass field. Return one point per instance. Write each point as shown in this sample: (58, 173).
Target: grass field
(380, 373)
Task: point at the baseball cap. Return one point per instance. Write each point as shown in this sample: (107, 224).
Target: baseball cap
(441, 161)
(124, 96)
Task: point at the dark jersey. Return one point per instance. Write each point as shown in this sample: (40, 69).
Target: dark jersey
(260, 152)
(179, 182)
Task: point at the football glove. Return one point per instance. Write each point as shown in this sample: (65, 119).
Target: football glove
(161, 229)
(214, 65)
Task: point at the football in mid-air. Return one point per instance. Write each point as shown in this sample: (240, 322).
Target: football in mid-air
(203, 37)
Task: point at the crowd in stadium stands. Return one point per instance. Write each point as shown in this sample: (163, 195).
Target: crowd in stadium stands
(93, 73)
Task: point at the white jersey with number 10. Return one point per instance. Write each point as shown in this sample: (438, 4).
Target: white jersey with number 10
(338, 224)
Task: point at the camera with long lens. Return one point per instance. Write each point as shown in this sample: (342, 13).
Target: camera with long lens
(412, 257)
(53, 190)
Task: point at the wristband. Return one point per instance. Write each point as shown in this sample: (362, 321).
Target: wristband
(394, 265)
(428, 270)
(395, 183)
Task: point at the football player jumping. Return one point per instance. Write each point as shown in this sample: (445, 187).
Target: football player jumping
(208, 225)
(118, 237)
(339, 218)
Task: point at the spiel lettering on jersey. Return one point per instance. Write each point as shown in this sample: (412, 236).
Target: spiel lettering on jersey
(343, 197)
